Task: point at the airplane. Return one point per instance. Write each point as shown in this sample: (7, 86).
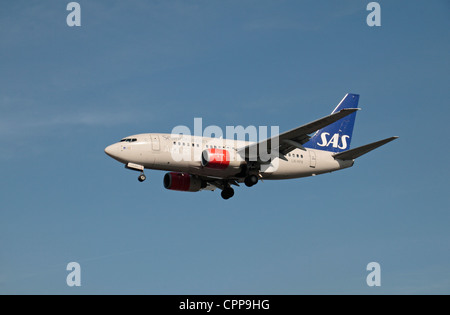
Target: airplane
(197, 163)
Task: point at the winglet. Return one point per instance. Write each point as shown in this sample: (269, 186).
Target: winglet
(357, 152)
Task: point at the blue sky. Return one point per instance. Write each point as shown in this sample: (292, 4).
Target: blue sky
(148, 66)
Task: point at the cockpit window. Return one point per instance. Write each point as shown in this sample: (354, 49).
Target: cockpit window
(128, 140)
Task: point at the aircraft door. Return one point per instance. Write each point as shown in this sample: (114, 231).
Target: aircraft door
(155, 143)
(312, 158)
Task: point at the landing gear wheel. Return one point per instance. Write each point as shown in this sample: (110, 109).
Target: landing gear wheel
(142, 178)
(251, 180)
(227, 193)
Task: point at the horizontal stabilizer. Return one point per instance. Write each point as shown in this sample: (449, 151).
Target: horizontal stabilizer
(357, 152)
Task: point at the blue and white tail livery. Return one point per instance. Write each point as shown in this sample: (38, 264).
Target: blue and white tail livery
(337, 136)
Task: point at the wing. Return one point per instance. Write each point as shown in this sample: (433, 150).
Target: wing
(284, 143)
(217, 182)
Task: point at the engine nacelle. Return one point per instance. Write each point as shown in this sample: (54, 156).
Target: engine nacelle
(218, 159)
(183, 182)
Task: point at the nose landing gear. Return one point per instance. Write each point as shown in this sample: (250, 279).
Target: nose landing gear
(142, 177)
(139, 168)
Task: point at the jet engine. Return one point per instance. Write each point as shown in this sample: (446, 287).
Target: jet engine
(183, 182)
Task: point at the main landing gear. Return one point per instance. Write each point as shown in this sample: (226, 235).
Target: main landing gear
(251, 180)
(227, 193)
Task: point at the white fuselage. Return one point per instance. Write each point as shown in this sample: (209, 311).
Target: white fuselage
(176, 153)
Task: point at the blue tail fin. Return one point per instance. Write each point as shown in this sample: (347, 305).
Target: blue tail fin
(337, 136)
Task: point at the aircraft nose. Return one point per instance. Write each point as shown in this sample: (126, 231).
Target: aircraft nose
(110, 150)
